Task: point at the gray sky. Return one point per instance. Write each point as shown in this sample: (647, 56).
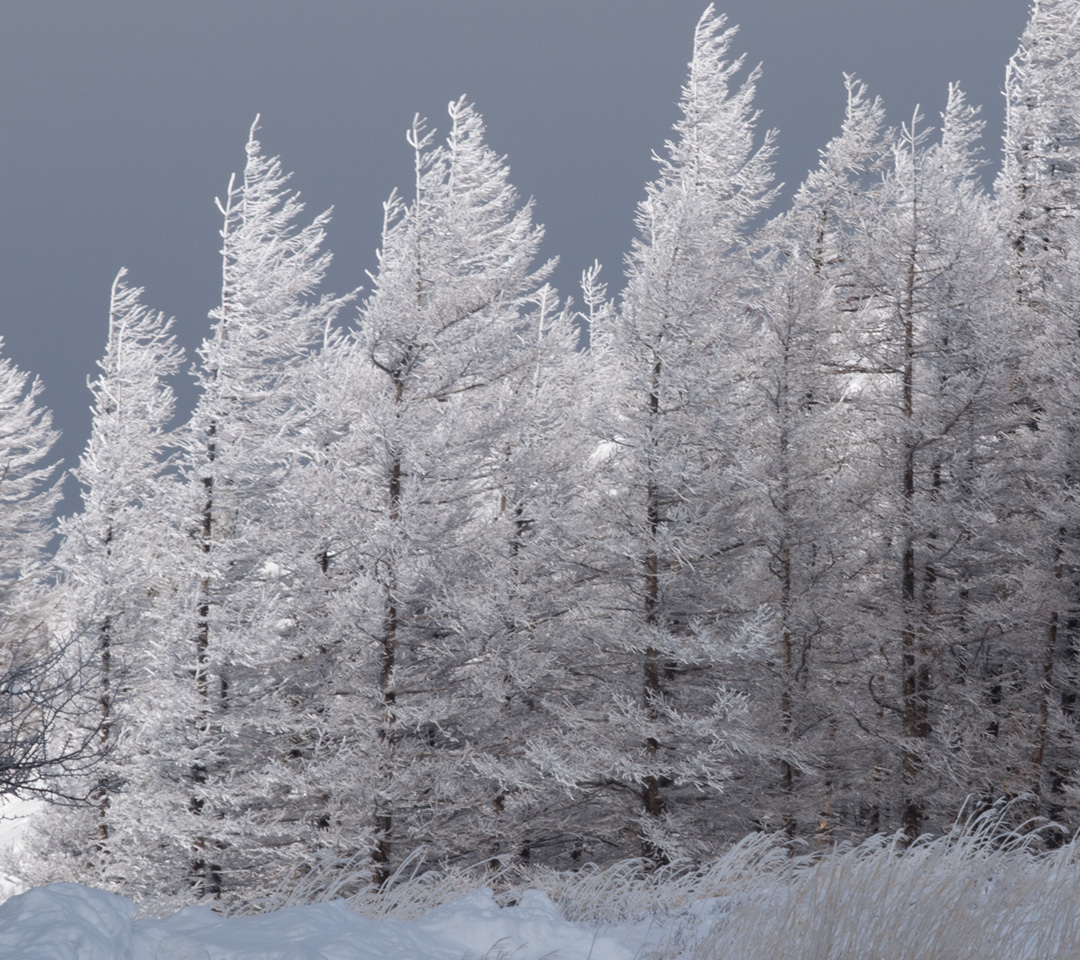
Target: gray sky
(122, 120)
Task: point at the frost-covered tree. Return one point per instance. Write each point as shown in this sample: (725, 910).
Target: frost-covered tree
(28, 497)
(807, 500)
(112, 564)
(1037, 189)
(447, 464)
(236, 675)
(673, 516)
(44, 748)
(928, 343)
(1038, 192)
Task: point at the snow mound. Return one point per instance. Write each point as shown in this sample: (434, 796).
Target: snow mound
(66, 921)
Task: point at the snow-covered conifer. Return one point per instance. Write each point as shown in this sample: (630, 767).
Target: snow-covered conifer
(452, 476)
(927, 341)
(1038, 193)
(238, 740)
(664, 724)
(805, 499)
(112, 564)
(28, 497)
(29, 492)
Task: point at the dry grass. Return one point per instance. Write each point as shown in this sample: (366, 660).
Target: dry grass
(982, 893)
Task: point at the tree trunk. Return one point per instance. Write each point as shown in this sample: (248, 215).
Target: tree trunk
(914, 669)
(106, 703)
(205, 875)
(652, 799)
(384, 817)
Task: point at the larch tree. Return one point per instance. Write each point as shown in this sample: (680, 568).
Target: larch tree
(111, 564)
(238, 747)
(28, 496)
(1037, 193)
(808, 501)
(674, 512)
(45, 748)
(537, 584)
(449, 371)
(928, 342)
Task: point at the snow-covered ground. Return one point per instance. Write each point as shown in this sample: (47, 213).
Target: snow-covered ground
(981, 894)
(66, 921)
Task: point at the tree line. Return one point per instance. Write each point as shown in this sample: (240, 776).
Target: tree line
(785, 536)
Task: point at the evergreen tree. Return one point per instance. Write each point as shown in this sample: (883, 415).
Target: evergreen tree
(111, 564)
(237, 740)
(675, 526)
(927, 339)
(1038, 192)
(448, 418)
(808, 503)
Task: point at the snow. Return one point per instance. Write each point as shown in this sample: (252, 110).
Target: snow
(14, 817)
(977, 894)
(66, 921)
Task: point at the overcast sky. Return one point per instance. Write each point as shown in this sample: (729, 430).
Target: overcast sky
(121, 121)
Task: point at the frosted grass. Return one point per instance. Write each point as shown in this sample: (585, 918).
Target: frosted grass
(978, 894)
(983, 892)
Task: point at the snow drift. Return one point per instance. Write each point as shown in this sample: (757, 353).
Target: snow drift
(66, 921)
